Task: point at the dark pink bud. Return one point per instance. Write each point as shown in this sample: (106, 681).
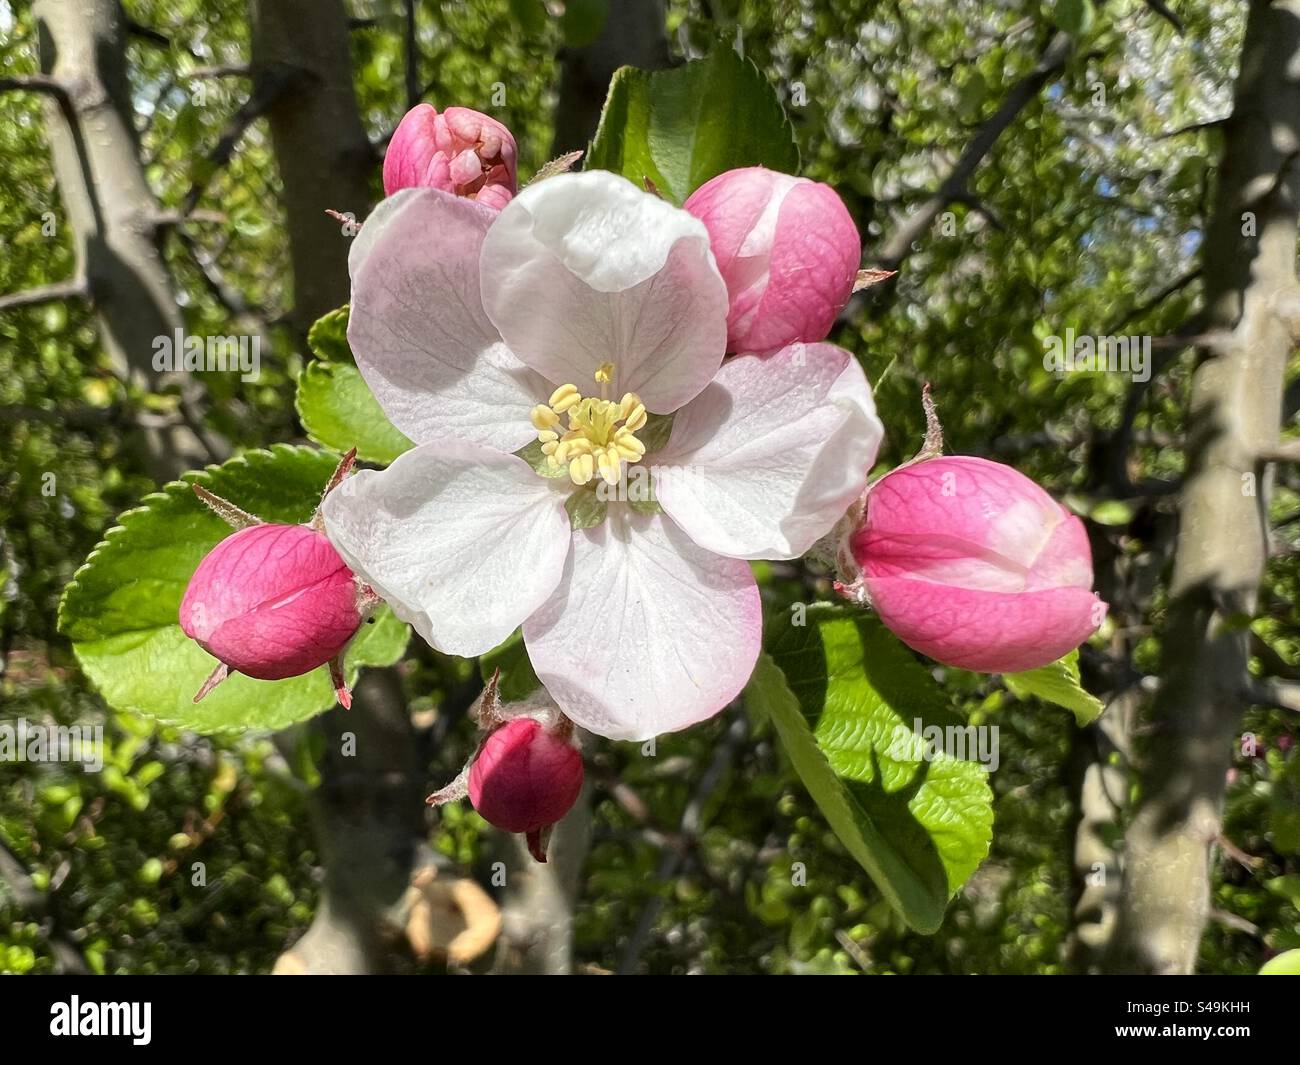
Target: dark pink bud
(272, 601)
(970, 562)
(525, 778)
(459, 151)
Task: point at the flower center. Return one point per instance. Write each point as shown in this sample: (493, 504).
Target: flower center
(601, 434)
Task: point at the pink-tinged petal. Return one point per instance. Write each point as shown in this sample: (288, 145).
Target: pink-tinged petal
(767, 459)
(583, 269)
(410, 151)
(787, 249)
(272, 601)
(647, 632)
(462, 541)
(964, 520)
(417, 328)
(988, 632)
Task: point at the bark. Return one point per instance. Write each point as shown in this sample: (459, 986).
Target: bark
(537, 905)
(633, 35)
(325, 160)
(1236, 402)
(367, 815)
(110, 207)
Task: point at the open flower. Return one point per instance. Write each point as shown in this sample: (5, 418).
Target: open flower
(575, 321)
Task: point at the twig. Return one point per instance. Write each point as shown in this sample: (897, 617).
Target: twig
(60, 290)
(691, 825)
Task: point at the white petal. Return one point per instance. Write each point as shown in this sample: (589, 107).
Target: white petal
(418, 330)
(646, 633)
(463, 542)
(768, 458)
(581, 269)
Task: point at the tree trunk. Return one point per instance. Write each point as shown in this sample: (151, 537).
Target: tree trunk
(633, 35)
(110, 207)
(321, 149)
(1236, 402)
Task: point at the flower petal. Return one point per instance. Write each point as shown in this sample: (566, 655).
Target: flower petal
(768, 458)
(428, 352)
(582, 269)
(647, 632)
(462, 541)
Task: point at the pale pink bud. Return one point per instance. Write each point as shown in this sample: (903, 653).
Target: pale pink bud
(525, 778)
(787, 249)
(459, 151)
(970, 562)
(272, 601)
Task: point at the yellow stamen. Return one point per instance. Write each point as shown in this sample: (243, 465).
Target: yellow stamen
(637, 419)
(581, 469)
(600, 434)
(610, 465)
(543, 417)
(564, 398)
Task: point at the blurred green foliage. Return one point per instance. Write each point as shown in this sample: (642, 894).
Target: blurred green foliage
(1083, 215)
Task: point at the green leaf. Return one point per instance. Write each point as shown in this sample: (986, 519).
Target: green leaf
(1059, 684)
(847, 699)
(1285, 964)
(518, 681)
(1075, 17)
(121, 608)
(338, 410)
(683, 126)
(328, 336)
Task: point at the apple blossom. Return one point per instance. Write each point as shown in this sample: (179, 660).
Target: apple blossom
(786, 248)
(970, 562)
(273, 601)
(460, 151)
(568, 326)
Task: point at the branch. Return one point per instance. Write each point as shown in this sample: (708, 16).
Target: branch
(1052, 60)
(413, 94)
(46, 84)
(1286, 451)
(692, 824)
(1269, 691)
(269, 84)
(60, 290)
(36, 903)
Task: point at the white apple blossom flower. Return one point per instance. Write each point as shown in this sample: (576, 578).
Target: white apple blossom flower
(573, 321)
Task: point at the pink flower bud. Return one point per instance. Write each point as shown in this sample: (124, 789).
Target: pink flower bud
(787, 249)
(525, 779)
(272, 601)
(971, 563)
(459, 151)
